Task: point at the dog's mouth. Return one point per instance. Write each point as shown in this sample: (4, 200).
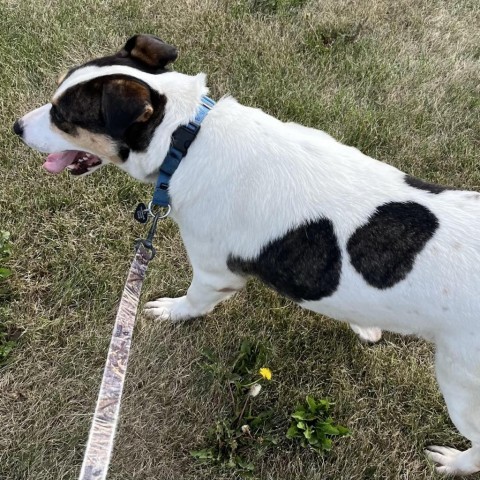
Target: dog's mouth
(75, 161)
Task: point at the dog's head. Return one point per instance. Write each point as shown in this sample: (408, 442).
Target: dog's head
(104, 111)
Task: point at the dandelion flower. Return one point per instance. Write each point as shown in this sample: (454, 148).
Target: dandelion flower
(255, 390)
(266, 373)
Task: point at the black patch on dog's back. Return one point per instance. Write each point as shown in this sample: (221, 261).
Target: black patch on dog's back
(304, 264)
(421, 185)
(383, 250)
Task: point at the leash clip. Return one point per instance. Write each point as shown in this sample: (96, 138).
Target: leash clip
(147, 243)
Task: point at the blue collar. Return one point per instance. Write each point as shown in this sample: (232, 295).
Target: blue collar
(182, 138)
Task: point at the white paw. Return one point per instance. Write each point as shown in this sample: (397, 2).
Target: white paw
(368, 334)
(173, 309)
(451, 461)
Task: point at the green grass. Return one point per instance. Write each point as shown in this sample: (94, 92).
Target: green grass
(399, 80)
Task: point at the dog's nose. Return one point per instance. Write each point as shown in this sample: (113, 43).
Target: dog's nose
(18, 127)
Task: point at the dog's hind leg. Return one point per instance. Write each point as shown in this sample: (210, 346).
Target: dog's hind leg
(209, 287)
(458, 374)
(367, 334)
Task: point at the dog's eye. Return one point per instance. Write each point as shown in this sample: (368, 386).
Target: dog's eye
(56, 115)
(60, 121)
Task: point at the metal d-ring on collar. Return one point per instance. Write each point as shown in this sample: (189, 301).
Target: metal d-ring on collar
(150, 213)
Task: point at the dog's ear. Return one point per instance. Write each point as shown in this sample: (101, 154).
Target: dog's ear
(149, 50)
(125, 102)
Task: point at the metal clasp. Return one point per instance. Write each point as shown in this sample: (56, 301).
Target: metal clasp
(148, 242)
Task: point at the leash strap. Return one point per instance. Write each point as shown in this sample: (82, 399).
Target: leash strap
(100, 441)
(182, 138)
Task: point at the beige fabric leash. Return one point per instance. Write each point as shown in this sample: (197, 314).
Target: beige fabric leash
(100, 442)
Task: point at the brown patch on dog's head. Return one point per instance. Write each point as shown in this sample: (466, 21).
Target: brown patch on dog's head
(109, 115)
(125, 101)
(143, 52)
(150, 50)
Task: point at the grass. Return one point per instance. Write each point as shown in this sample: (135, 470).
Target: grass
(399, 80)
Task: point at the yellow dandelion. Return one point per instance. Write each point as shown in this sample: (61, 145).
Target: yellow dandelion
(266, 373)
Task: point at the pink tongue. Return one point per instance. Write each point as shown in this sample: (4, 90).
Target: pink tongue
(57, 162)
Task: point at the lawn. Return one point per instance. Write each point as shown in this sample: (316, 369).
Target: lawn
(397, 79)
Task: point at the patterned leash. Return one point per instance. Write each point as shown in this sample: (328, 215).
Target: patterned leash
(105, 419)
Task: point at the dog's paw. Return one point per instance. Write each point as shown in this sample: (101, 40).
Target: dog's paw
(368, 334)
(451, 461)
(173, 309)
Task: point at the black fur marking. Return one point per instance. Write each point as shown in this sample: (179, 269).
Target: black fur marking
(143, 52)
(83, 106)
(123, 153)
(138, 135)
(383, 250)
(421, 185)
(304, 264)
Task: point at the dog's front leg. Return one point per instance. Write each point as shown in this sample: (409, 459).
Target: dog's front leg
(208, 288)
(367, 334)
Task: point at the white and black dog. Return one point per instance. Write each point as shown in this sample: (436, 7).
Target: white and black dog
(338, 232)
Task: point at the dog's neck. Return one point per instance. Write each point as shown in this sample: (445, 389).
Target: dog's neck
(183, 94)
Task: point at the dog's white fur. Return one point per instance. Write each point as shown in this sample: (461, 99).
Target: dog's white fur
(249, 178)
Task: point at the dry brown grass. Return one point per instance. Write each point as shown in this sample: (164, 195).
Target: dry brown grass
(398, 79)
